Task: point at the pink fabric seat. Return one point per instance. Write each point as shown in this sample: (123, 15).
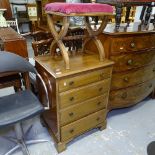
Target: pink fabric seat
(68, 8)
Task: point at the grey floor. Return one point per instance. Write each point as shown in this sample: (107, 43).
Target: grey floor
(128, 132)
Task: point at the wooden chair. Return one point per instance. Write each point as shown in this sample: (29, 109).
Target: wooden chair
(42, 42)
(22, 16)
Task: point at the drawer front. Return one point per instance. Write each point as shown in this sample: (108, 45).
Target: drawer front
(74, 129)
(131, 78)
(84, 79)
(130, 44)
(80, 110)
(152, 41)
(83, 93)
(130, 96)
(130, 61)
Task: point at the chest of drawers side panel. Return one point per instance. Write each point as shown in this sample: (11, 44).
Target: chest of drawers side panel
(51, 115)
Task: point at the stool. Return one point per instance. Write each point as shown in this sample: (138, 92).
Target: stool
(66, 10)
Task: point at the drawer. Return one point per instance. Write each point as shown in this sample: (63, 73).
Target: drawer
(130, 61)
(84, 79)
(80, 110)
(131, 78)
(130, 44)
(152, 41)
(131, 95)
(76, 128)
(83, 93)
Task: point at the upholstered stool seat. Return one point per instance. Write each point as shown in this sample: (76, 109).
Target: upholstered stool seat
(78, 8)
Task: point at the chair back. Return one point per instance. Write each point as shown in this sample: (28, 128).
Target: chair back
(10, 62)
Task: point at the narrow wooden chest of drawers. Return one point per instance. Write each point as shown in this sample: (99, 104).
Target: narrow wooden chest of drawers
(78, 97)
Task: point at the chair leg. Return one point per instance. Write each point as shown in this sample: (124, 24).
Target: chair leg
(20, 138)
(20, 141)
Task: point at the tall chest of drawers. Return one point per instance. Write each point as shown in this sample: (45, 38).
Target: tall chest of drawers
(78, 97)
(133, 52)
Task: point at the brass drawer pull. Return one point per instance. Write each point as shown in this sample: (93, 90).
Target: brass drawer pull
(150, 86)
(71, 131)
(130, 62)
(126, 79)
(100, 89)
(71, 83)
(124, 95)
(132, 45)
(99, 103)
(71, 98)
(98, 118)
(153, 70)
(71, 114)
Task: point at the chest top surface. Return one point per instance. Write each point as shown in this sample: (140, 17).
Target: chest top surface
(80, 63)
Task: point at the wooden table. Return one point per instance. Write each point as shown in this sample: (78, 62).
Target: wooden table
(13, 42)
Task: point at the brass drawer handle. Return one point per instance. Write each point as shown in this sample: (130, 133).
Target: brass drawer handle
(71, 83)
(126, 79)
(132, 45)
(153, 70)
(130, 62)
(100, 89)
(71, 131)
(99, 103)
(150, 86)
(71, 98)
(124, 95)
(98, 118)
(71, 114)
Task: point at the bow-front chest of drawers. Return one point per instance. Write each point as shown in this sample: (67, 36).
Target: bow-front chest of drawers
(133, 51)
(78, 97)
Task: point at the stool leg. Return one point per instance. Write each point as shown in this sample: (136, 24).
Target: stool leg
(93, 35)
(58, 37)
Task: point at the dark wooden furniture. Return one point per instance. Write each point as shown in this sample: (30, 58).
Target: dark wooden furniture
(133, 51)
(22, 16)
(41, 15)
(123, 3)
(78, 97)
(11, 41)
(42, 42)
(5, 4)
